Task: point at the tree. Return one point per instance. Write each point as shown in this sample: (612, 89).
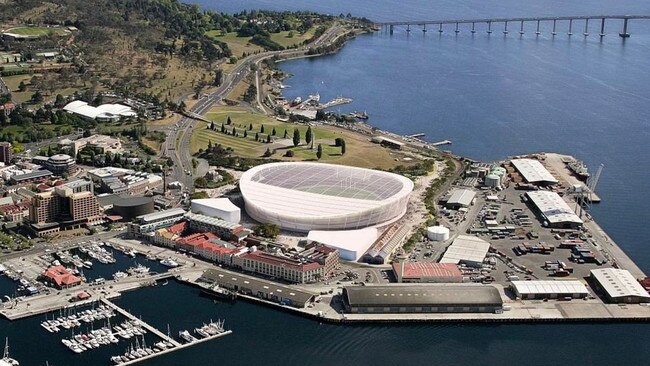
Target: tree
(286, 134)
(289, 154)
(245, 133)
(267, 153)
(209, 145)
(250, 127)
(268, 139)
(273, 132)
(223, 128)
(229, 121)
(59, 102)
(319, 152)
(320, 115)
(37, 97)
(87, 133)
(200, 182)
(342, 147)
(22, 86)
(212, 126)
(257, 136)
(170, 162)
(308, 135)
(49, 151)
(262, 129)
(296, 137)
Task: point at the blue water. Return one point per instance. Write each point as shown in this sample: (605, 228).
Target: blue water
(493, 96)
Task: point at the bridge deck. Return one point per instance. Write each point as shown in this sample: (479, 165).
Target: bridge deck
(517, 19)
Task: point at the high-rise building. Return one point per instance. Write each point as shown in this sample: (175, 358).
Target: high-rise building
(6, 153)
(69, 205)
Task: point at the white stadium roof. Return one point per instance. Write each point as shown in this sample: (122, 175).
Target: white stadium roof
(553, 207)
(307, 196)
(352, 244)
(543, 287)
(533, 171)
(619, 283)
(466, 248)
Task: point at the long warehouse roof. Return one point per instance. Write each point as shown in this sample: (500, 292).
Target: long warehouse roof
(533, 171)
(550, 287)
(554, 208)
(619, 283)
(430, 294)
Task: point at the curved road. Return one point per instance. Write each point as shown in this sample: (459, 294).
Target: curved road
(177, 144)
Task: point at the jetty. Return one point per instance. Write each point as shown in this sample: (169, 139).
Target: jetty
(141, 323)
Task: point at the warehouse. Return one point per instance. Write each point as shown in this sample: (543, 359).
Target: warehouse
(217, 207)
(468, 250)
(431, 298)
(262, 289)
(554, 211)
(548, 289)
(619, 286)
(420, 272)
(460, 198)
(534, 172)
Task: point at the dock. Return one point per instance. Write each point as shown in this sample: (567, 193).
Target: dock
(141, 323)
(417, 135)
(440, 143)
(169, 350)
(177, 345)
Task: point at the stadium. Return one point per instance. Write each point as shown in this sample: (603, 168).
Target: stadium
(302, 196)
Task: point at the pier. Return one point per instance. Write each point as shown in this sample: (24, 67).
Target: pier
(521, 20)
(141, 323)
(166, 338)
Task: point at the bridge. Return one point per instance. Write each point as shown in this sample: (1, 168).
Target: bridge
(521, 20)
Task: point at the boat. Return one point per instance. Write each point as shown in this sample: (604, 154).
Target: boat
(219, 292)
(119, 275)
(359, 115)
(579, 169)
(88, 264)
(168, 262)
(6, 360)
(187, 336)
(131, 253)
(202, 332)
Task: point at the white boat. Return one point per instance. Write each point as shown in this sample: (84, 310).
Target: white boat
(6, 360)
(168, 262)
(187, 336)
(202, 332)
(119, 275)
(88, 264)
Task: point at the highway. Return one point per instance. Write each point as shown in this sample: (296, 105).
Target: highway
(177, 144)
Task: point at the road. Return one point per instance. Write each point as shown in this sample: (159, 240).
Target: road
(177, 144)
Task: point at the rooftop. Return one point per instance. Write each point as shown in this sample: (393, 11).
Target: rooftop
(426, 269)
(462, 197)
(211, 221)
(161, 215)
(533, 171)
(619, 283)
(554, 208)
(429, 294)
(466, 248)
(550, 287)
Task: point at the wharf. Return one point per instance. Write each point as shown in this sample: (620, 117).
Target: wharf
(169, 350)
(141, 323)
(44, 303)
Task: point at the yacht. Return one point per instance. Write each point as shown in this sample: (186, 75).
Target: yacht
(6, 360)
(119, 275)
(187, 336)
(169, 263)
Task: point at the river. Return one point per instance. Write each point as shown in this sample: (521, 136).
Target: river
(493, 96)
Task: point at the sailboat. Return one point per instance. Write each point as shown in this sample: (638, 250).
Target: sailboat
(6, 360)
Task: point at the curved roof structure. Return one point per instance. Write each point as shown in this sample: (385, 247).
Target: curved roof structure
(305, 196)
(104, 111)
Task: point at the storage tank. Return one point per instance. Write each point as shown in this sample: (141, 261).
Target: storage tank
(437, 233)
(500, 171)
(492, 180)
(129, 207)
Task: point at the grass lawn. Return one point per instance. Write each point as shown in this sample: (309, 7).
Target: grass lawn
(36, 31)
(238, 45)
(359, 151)
(284, 40)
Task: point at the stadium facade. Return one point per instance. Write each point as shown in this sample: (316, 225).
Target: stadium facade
(304, 196)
